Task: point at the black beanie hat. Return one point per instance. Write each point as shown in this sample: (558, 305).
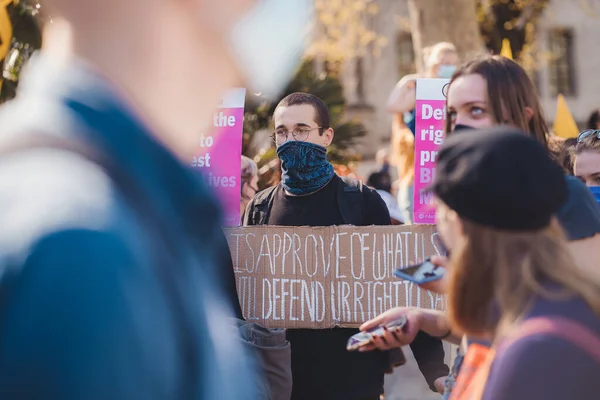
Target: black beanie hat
(500, 178)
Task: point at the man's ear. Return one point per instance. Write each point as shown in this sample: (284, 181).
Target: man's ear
(328, 135)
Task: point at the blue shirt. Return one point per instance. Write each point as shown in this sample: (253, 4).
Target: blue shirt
(84, 313)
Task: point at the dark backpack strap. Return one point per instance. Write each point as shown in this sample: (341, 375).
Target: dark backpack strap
(351, 202)
(149, 216)
(263, 201)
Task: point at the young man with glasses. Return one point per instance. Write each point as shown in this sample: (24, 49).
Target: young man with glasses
(311, 194)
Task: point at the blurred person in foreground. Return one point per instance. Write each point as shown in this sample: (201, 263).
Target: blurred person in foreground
(112, 282)
(312, 194)
(249, 183)
(441, 62)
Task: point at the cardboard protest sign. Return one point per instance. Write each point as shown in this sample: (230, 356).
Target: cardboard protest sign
(429, 135)
(219, 156)
(322, 277)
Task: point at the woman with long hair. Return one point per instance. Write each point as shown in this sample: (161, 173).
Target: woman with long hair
(511, 277)
(494, 90)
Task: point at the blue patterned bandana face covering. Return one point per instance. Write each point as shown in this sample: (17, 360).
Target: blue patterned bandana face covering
(596, 192)
(304, 167)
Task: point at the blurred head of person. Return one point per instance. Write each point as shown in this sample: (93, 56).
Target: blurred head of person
(249, 182)
(175, 59)
(594, 120)
(586, 165)
(504, 252)
(441, 60)
(380, 181)
(494, 90)
(382, 159)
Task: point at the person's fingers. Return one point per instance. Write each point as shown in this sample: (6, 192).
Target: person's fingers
(391, 339)
(373, 323)
(396, 335)
(381, 343)
(409, 332)
(381, 319)
(439, 261)
(367, 347)
(437, 286)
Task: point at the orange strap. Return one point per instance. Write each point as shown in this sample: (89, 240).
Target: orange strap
(473, 373)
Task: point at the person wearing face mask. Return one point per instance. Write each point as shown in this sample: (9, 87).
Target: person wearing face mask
(249, 182)
(441, 62)
(311, 194)
(112, 279)
(586, 164)
(489, 91)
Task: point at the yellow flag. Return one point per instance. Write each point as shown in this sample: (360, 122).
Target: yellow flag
(506, 50)
(564, 123)
(6, 31)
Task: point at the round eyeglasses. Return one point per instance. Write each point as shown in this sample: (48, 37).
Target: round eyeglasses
(587, 133)
(280, 136)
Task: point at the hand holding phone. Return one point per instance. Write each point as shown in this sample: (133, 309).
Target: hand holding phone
(364, 338)
(420, 273)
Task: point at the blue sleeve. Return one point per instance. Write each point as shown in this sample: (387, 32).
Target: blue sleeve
(66, 322)
(542, 367)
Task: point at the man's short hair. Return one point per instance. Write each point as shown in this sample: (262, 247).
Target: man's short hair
(300, 98)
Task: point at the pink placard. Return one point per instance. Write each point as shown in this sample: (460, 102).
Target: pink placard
(219, 155)
(429, 135)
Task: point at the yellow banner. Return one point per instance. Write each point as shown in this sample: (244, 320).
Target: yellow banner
(6, 31)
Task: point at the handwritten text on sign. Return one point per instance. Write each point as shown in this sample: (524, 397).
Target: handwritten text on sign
(302, 277)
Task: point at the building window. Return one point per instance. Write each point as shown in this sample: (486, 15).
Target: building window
(561, 69)
(406, 54)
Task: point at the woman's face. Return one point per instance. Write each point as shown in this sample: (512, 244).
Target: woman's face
(587, 167)
(468, 104)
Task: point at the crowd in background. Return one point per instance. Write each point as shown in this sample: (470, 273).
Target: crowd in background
(515, 285)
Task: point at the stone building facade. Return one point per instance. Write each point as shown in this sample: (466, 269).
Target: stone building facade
(568, 42)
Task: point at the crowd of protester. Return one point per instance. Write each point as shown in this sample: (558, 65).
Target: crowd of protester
(115, 277)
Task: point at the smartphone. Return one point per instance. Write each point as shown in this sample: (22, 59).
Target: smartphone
(420, 273)
(363, 338)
